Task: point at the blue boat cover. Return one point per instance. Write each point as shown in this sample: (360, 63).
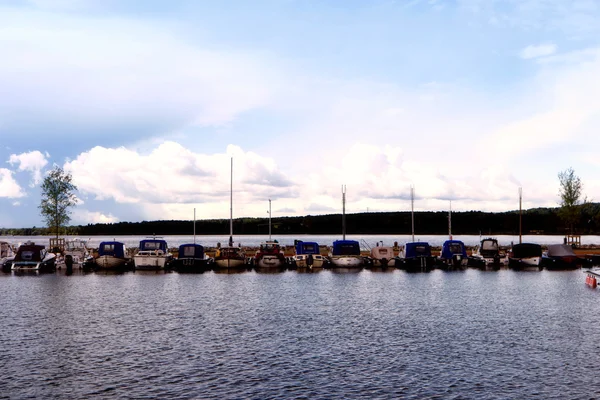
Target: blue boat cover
(190, 250)
(346, 248)
(153, 244)
(307, 248)
(115, 249)
(417, 249)
(453, 247)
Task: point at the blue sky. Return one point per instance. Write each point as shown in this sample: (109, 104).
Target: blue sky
(144, 103)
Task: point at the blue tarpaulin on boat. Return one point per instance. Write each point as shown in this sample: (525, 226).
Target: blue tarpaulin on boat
(346, 248)
(452, 248)
(307, 248)
(153, 244)
(190, 250)
(417, 249)
(115, 249)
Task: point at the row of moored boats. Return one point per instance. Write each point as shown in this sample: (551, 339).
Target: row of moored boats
(154, 254)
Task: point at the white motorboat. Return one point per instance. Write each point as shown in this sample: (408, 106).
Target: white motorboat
(346, 254)
(152, 254)
(75, 252)
(33, 257)
(488, 253)
(383, 256)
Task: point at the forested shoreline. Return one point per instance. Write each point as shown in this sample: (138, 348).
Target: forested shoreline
(538, 220)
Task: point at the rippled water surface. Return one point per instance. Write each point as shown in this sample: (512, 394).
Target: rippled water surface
(366, 334)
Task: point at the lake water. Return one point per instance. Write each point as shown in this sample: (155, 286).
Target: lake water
(288, 240)
(335, 335)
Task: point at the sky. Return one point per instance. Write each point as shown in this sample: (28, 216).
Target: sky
(145, 103)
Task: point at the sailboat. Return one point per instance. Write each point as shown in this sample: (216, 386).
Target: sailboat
(416, 255)
(345, 253)
(524, 255)
(230, 256)
(191, 256)
(454, 252)
(269, 254)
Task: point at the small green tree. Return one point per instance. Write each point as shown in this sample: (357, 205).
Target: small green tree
(570, 192)
(57, 198)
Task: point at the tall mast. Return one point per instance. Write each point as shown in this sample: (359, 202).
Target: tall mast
(520, 213)
(450, 221)
(194, 225)
(344, 212)
(269, 219)
(231, 205)
(412, 211)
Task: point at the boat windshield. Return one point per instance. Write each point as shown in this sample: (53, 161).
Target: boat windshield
(456, 248)
(489, 245)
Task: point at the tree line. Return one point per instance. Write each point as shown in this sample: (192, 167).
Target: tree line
(538, 220)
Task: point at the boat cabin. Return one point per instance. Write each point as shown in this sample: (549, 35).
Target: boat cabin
(489, 248)
(526, 250)
(229, 252)
(417, 249)
(307, 248)
(346, 248)
(153, 245)
(31, 252)
(5, 250)
(382, 252)
(190, 250)
(453, 248)
(270, 247)
(114, 249)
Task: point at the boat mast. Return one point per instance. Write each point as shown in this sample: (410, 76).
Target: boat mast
(344, 212)
(412, 210)
(269, 219)
(520, 213)
(231, 205)
(194, 225)
(450, 221)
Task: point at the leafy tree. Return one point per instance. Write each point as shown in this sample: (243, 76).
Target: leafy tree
(570, 192)
(57, 198)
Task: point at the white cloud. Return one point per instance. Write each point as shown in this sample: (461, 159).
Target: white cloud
(8, 185)
(170, 180)
(33, 161)
(81, 216)
(95, 71)
(541, 50)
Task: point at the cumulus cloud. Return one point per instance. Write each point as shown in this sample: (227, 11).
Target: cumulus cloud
(33, 161)
(82, 216)
(169, 180)
(8, 185)
(538, 51)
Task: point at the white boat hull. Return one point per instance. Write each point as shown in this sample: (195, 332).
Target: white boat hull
(533, 261)
(269, 262)
(149, 262)
(390, 263)
(346, 261)
(110, 262)
(301, 261)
